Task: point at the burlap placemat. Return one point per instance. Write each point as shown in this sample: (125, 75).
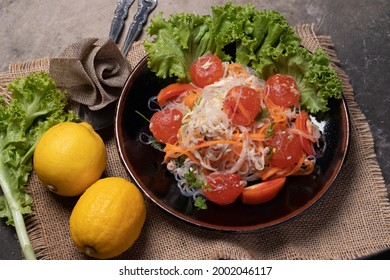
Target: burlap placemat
(353, 220)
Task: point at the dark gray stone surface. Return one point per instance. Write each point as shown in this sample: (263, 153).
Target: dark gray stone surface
(360, 30)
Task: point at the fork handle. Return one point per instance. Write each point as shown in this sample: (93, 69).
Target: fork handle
(118, 21)
(145, 7)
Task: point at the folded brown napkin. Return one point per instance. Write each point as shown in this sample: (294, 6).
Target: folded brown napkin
(92, 71)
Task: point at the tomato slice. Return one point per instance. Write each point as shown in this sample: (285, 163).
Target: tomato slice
(165, 125)
(262, 192)
(206, 70)
(286, 149)
(172, 91)
(303, 122)
(242, 104)
(282, 90)
(223, 189)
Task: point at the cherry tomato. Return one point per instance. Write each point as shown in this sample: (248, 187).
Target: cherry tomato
(206, 70)
(242, 104)
(172, 91)
(286, 149)
(303, 122)
(282, 90)
(223, 189)
(262, 192)
(165, 124)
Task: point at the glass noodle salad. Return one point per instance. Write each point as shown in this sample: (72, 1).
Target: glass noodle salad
(230, 135)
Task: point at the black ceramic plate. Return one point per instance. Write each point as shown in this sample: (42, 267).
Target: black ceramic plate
(144, 164)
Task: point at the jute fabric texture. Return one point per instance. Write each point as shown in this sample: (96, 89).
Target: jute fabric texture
(92, 71)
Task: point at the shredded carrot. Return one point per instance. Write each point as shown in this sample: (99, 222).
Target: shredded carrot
(268, 172)
(237, 69)
(258, 136)
(214, 142)
(276, 111)
(297, 166)
(191, 96)
(267, 101)
(175, 151)
(302, 134)
(262, 129)
(236, 136)
(278, 114)
(306, 171)
(274, 172)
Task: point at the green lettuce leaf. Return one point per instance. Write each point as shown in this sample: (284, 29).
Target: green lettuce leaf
(251, 31)
(316, 80)
(178, 43)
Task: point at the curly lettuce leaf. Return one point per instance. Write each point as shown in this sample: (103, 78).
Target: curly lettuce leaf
(316, 80)
(231, 24)
(179, 41)
(251, 31)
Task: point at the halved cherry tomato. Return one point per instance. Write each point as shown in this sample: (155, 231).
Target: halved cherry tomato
(282, 90)
(262, 192)
(286, 149)
(223, 189)
(206, 70)
(242, 104)
(165, 124)
(172, 91)
(303, 122)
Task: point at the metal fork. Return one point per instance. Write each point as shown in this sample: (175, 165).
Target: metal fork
(145, 7)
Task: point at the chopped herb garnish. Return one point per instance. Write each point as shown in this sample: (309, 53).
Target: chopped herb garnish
(262, 115)
(180, 160)
(155, 144)
(271, 151)
(193, 180)
(142, 116)
(200, 203)
(270, 131)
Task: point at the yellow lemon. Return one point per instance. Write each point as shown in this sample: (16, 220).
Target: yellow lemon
(108, 218)
(70, 157)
